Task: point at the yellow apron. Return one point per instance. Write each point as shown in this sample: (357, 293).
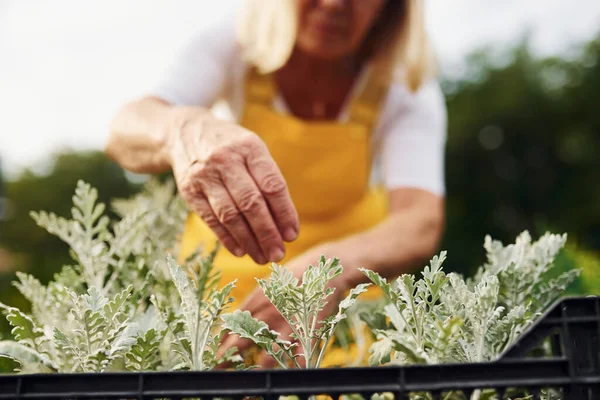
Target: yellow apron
(327, 166)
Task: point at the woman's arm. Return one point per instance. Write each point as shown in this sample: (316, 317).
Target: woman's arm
(401, 243)
(139, 135)
(224, 173)
(197, 76)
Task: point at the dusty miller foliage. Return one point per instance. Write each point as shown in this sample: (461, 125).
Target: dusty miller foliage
(444, 318)
(123, 304)
(300, 302)
(194, 327)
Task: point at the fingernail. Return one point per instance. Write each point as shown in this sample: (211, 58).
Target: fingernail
(290, 234)
(277, 254)
(238, 252)
(260, 259)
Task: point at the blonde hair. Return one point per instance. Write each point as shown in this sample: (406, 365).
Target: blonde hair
(267, 31)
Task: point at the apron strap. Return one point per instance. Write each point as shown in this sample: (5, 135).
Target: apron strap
(259, 88)
(364, 108)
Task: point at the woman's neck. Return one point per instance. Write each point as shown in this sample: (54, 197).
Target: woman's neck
(303, 64)
(316, 88)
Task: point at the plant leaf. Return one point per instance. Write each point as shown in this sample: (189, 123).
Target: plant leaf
(247, 327)
(8, 364)
(144, 354)
(24, 329)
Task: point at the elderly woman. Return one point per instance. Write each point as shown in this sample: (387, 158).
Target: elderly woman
(335, 144)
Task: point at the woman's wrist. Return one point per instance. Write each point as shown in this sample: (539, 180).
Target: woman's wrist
(182, 121)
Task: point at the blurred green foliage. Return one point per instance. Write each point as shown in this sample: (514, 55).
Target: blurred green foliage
(522, 154)
(589, 264)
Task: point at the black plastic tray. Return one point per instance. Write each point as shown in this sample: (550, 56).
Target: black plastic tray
(573, 324)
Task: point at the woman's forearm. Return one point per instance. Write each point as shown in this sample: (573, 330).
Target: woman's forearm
(224, 173)
(140, 134)
(400, 244)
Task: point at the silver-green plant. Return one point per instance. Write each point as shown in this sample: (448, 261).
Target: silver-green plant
(97, 315)
(420, 330)
(125, 305)
(300, 302)
(444, 318)
(524, 271)
(194, 326)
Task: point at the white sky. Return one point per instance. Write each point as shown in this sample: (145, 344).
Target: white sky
(66, 65)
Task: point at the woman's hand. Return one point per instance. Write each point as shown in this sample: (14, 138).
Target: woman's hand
(227, 177)
(262, 309)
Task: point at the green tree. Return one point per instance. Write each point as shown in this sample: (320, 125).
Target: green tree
(522, 152)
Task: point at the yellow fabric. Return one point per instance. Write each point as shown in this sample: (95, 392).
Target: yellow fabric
(326, 165)
(349, 355)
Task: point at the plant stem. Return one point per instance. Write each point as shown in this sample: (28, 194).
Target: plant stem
(448, 396)
(322, 352)
(407, 324)
(279, 361)
(307, 332)
(291, 356)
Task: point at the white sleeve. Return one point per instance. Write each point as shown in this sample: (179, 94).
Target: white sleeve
(413, 138)
(201, 70)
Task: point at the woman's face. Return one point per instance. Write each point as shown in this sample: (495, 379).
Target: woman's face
(332, 29)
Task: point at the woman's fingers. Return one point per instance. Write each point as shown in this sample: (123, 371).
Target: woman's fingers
(201, 207)
(234, 340)
(252, 205)
(193, 194)
(233, 170)
(231, 217)
(272, 185)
